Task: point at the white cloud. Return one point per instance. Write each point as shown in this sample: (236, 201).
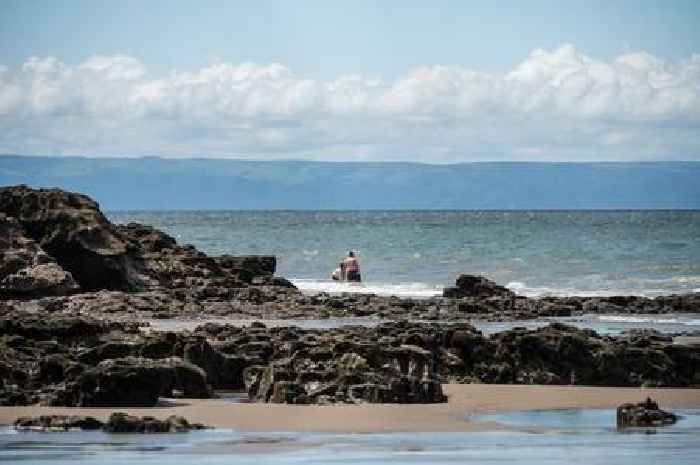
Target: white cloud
(555, 105)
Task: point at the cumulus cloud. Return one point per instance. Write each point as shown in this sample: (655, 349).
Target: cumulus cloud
(554, 105)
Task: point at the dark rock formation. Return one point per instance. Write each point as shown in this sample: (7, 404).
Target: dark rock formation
(248, 267)
(476, 286)
(71, 228)
(25, 269)
(50, 423)
(132, 382)
(117, 423)
(351, 365)
(644, 414)
(223, 371)
(99, 255)
(61, 327)
(392, 362)
(122, 423)
(561, 354)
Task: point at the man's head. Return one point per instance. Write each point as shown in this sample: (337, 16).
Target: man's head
(351, 254)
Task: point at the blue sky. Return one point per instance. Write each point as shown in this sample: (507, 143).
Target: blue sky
(431, 81)
(324, 39)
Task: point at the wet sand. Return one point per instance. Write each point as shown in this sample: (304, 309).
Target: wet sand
(450, 416)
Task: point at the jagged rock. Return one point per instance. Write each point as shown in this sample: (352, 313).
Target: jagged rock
(71, 228)
(148, 238)
(102, 256)
(25, 269)
(335, 367)
(248, 266)
(64, 360)
(476, 286)
(644, 414)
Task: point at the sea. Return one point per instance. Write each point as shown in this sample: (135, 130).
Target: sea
(418, 253)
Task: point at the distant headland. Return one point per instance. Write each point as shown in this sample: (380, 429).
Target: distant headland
(153, 183)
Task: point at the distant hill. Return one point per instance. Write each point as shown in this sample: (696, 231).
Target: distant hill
(157, 184)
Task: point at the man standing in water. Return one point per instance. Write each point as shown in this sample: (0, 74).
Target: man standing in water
(350, 268)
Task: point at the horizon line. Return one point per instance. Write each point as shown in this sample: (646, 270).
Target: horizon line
(367, 162)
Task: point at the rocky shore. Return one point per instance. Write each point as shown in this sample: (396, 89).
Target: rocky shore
(75, 290)
(79, 361)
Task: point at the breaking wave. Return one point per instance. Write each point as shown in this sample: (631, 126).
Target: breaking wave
(416, 290)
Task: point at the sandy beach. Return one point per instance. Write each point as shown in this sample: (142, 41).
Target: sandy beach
(450, 416)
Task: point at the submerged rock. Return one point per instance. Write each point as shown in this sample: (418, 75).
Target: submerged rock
(644, 414)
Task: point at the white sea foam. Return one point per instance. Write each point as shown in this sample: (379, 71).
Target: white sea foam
(417, 290)
(644, 289)
(623, 319)
(425, 290)
(542, 291)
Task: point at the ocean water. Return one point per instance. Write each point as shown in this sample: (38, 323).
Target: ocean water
(417, 253)
(541, 437)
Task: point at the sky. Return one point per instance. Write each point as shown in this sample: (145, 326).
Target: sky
(438, 82)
